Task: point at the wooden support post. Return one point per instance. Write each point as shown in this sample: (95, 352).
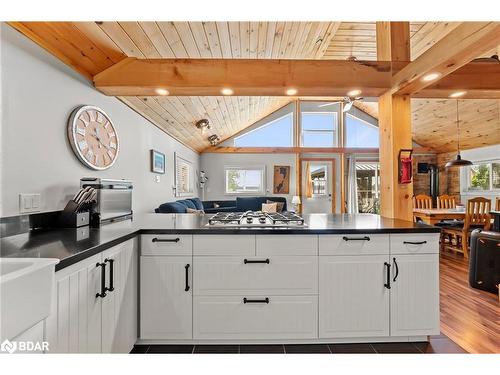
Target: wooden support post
(394, 125)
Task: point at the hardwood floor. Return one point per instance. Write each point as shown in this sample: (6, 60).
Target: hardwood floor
(470, 317)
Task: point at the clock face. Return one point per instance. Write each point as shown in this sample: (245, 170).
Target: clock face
(93, 137)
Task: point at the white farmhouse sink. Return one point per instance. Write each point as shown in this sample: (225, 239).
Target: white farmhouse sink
(26, 287)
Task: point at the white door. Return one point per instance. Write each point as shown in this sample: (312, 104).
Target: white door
(166, 297)
(74, 325)
(320, 180)
(119, 307)
(353, 301)
(415, 295)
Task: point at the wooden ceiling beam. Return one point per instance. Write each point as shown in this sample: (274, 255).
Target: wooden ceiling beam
(206, 77)
(466, 42)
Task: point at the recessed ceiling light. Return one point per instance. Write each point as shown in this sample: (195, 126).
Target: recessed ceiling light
(353, 93)
(431, 77)
(227, 91)
(161, 91)
(291, 91)
(458, 94)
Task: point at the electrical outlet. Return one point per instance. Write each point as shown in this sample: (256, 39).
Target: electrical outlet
(29, 203)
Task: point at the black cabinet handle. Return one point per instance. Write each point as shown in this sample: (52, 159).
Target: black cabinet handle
(103, 280)
(365, 238)
(187, 278)
(166, 239)
(388, 275)
(256, 261)
(111, 274)
(414, 243)
(397, 270)
(246, 300)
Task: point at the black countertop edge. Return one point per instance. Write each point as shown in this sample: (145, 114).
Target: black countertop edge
(73, 259)
(70, 260)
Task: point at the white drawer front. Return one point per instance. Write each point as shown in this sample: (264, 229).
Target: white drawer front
(287, 245)
(282, 275)
(415, 243)
(166, 244)
(284, 317)
(353, 244)
(224, 244)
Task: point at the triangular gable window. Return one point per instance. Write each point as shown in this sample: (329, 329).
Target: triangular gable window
(275, 133)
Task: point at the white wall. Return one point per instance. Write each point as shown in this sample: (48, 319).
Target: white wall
(476, 155)
(38, 94)
(213, 165)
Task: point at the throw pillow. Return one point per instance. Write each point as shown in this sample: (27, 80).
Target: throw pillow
(279, 207)
(216, 205)
(194, 211)
(269, 207)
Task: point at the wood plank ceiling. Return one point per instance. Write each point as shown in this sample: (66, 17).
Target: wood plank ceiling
(91, 47)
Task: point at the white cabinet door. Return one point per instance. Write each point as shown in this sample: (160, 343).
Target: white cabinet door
(119, 307)
(353, 301)
(415, 295)
(259, 318)
(74, 325)
(166, 297)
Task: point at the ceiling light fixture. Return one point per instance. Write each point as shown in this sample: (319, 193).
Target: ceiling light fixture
(203, 125)
(458, 94)
(458, 161)
(161, 91)
(291, 91)
(214, 139)
(353, 93)
(227, 91)
(431, 77)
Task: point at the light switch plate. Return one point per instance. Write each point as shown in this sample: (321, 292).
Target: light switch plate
(30, 202)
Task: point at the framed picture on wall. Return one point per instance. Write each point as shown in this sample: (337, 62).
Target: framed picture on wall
(281, 180)
(157, 162)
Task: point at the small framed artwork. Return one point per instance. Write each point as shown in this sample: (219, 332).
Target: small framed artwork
(281, 180)
(157, 162)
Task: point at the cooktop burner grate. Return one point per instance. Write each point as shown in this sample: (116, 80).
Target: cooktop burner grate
(226, 218)
(285, 217)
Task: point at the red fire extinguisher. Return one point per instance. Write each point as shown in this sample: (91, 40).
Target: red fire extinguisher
(405, 166)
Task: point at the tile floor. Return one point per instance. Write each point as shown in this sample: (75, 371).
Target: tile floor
(437, 344)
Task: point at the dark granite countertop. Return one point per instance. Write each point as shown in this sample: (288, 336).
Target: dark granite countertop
(73, 245)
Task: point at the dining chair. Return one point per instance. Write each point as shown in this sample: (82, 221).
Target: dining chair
(422, 201)
(446, 201)
(477, 215)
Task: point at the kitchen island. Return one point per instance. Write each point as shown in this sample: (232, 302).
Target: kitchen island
(338, 278)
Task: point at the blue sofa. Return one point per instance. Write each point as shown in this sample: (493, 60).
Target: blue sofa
(241, 204)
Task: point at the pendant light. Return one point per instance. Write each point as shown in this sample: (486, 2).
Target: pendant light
(458, 161)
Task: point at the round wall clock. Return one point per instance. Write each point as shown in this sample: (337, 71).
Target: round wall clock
(93, 137)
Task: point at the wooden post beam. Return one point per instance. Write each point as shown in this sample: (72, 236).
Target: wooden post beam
(468, 41)
(394, 125)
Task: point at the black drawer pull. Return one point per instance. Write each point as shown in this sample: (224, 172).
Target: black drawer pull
(111, 276)
(414, 243)
(187, 278)
(365, 238)
(388, 275)
(246, 300)
(256, 261)
(166, 239)
(103, 280)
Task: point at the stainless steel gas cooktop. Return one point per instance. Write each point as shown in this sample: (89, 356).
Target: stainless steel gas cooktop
(252, 219)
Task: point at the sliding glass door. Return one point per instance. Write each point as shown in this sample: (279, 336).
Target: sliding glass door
(368, 184)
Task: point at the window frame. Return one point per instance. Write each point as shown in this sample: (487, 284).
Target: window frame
(267, 124)
(491, 189)
(335, 131)
(178, 161)
(260, 168)
(360, 120)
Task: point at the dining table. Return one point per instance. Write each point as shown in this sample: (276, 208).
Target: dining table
(433, 216)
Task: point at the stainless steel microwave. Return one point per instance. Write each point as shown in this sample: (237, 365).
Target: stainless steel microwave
(114, 199)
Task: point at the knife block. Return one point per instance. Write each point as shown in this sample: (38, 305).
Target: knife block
(73, 219)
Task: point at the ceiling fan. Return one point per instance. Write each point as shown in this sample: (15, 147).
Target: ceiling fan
(348, 102)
